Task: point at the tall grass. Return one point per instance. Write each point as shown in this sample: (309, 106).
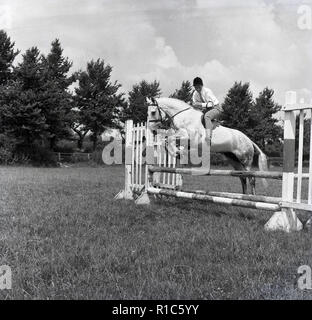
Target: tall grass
(65, 238)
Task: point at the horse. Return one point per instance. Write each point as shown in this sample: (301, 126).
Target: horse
(238, 149)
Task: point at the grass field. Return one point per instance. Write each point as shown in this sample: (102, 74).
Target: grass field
(65, 238)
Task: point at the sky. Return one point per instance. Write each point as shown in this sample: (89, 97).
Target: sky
(222, 41)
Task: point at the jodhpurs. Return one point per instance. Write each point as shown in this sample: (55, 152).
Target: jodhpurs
(210, 115)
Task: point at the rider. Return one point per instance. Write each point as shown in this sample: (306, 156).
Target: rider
(204, 99)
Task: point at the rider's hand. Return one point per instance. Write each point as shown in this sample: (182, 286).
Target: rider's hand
(197, 105)
(209, 104)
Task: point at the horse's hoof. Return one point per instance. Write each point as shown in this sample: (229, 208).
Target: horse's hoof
(308, 225)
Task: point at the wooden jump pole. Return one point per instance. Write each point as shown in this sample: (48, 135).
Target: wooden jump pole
(233, 173)
(213, 199)
(239, 196)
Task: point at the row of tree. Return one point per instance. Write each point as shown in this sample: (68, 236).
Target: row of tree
(38, 109)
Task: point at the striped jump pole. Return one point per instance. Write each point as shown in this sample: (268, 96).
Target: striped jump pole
(239, 196)
(215, 199)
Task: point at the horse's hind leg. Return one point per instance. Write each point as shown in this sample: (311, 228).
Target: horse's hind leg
(252, 182)
(237, 165)
(244, 185)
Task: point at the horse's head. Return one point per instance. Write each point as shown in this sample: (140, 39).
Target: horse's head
(155, 115)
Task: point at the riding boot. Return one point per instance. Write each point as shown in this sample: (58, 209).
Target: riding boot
(208, 137)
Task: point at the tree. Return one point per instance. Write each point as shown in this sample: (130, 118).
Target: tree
(237, 107)
(7, 56)
(184, 93)
(29, 71)
(21, 116)
(76, 125)
(56, 66)
(35, 104)
(98, 100)
(34, 75)
(20, 110)
(56, 107)
(136, 108)
(54, 94)
(266, 129)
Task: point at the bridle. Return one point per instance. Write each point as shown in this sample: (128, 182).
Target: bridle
(168, 120)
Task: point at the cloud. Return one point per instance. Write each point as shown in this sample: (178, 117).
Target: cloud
(173, 40)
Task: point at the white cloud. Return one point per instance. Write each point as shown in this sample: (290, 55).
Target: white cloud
(167, 58)
(173, 40)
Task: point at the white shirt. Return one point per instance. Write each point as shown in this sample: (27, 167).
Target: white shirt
(205, 96)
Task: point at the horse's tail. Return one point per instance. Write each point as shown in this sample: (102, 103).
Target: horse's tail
(262, 162)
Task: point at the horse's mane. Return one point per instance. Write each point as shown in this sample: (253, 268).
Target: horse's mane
(176, 103)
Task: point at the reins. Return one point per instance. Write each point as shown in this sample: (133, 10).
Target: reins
(168, 122)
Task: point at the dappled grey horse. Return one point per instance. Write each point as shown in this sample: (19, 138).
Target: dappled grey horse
(233, 144)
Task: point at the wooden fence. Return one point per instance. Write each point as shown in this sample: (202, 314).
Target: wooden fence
(72, 157)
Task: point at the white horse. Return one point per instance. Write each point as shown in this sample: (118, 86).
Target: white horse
(233, 144)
